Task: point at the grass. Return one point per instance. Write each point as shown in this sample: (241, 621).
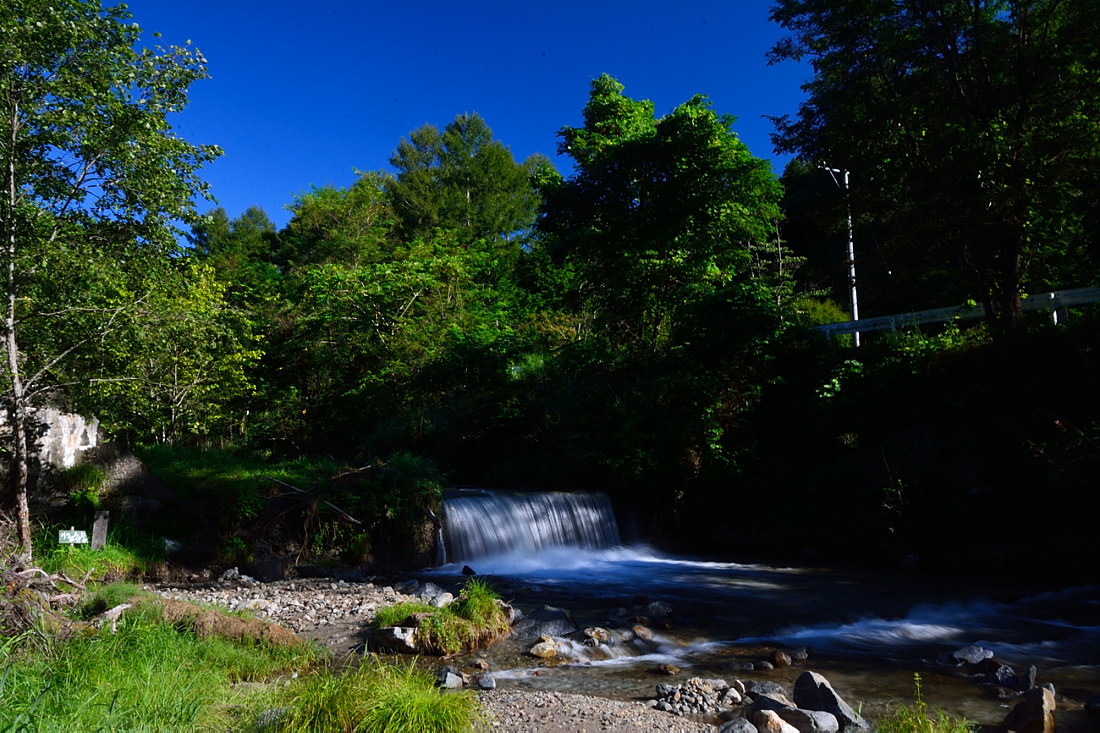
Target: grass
(473, 620)
(377, 697)
(128, 552)
(153, 675)
(147, 676)
(903, 719)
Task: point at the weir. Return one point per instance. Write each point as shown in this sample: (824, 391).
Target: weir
(482, 523)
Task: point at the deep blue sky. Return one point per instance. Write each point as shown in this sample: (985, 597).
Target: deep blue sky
(303, 93)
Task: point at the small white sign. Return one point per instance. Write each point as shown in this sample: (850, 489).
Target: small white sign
(72, 537)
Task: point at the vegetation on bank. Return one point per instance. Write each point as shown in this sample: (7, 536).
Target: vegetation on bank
(474, 620)
(919, 719)
(150, 672)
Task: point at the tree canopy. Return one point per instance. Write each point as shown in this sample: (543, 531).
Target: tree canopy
(970, 126)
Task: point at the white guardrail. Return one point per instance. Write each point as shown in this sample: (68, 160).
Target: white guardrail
(1056, 302)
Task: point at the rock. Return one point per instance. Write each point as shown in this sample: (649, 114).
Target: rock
(810, 721)
(813, 692)
(486, 682)
(427, 591)
(1033, 714)
(659, 609)
(511, 614)
(449, 681)
(774, 702)
(270, 569)
(765, 665)
(780, 658)
(971, 655)
(768, 720)
(482, 664)
(739, 686)
(544, 650)
(1004, 676)
(767, 688)
(731, 697)
(800, 655)
(737, 725)
(231, 574)
(407, 587)
(598, 634)
(669, 669)
(171, 546)
(467, 570)
(643, 633)
(1028, 680)
(545, 621)
(443, 599)
(400, 639)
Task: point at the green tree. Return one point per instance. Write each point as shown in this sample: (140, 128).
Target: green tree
(463, 179)
(89, 160)
(242, 251)
(968, 125)
(658, 213)
(342, 226)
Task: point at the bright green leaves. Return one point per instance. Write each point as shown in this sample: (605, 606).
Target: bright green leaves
(658, 213)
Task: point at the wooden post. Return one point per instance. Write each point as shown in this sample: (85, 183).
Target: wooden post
(99, 530)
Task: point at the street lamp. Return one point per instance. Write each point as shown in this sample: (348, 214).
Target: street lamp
(852, 298)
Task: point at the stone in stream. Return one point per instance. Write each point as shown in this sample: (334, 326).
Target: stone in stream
(597, 634)
(780, 658)
(737, 725)
(768, 720)
(545, 621)
(813, 692)
(810, 721)
(764, 665)
(428, 591)
(659, 609)
(545, 649)
(766, 688)
(1033, 714)
(971, 654)
(400, 639)
(467, 570)
(486, 682)
(407, 587)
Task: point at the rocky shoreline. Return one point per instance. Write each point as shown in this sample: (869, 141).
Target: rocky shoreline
(338, 614)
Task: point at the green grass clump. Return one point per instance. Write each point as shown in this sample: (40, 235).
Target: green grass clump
(903, 719)
(376, 697)
(473, 620)
(128, 552)
(147, 676)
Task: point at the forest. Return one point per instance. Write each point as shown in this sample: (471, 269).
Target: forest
(642, 323)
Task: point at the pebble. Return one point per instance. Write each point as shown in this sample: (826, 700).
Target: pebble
(522, 711)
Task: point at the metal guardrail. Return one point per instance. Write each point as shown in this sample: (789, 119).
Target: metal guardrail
(1056, 302)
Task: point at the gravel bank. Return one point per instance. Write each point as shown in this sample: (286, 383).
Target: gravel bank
(337, 613)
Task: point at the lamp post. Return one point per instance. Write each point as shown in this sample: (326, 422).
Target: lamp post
(852, 297)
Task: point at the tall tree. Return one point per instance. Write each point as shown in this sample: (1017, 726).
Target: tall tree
(970, 124)
(89, 160)
(462, 179)
(658, 213)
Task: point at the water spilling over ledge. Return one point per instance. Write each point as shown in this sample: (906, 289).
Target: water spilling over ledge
(480, 524)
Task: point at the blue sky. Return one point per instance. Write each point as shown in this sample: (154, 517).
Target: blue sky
(304, 93)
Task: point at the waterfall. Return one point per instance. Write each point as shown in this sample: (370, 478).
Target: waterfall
(488, 523)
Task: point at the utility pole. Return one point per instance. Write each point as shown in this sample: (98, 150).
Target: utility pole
(853, 300)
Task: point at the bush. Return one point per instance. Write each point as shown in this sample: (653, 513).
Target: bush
(915, 720)
(474, 620)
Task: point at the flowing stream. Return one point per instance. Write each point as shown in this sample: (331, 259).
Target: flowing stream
(867, 632)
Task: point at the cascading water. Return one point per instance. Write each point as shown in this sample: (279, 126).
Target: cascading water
(482, 524)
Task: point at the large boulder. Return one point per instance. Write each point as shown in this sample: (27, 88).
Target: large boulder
(813, 692)
(1033, 714)
(810, 721)
(737, 725)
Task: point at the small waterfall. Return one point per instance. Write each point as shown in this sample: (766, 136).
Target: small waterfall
(488, 523)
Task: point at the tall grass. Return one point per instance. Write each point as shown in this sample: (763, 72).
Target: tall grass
(147, 676)
(473, 620)
(903, 719)
(377, 697)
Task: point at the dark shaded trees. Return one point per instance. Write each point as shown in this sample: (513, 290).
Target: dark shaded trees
(967, 126)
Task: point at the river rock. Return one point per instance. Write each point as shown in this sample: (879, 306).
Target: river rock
(407, 587)
(810, 721)
(768, 720)
(765, 701)
(659, 609)
(545, 649)
(443, 599)
(813, 692)
(780, 658)
(765, 665)
(767, 687)
(427, 591)
(545, 621)
(486, 682)
(1004, 676)
(1033, 714)
(665, 668)
(971, 654)
(800, 655)
(467, 570)
(643, 633)
(401, 639)
(737, 725)
(598, 634)
(448, 677)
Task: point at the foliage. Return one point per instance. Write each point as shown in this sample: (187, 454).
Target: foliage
(147, 676)
(473, 620)
(658, 213)
(129, 552)
(903, 719)
(970, 126)
(377, 697)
